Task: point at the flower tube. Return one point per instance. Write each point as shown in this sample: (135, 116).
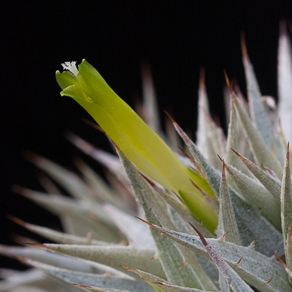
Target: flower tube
(135, 139)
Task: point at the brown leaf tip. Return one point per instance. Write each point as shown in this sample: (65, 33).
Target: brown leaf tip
(205, 243)
(239, 261)
(268, 282)
(288, 154)
(243, 46)
(283, 27)
(202, 78)
(144, 221)
(170, 117)
(126, 268)
(254, 242)
(228, 83)
(16, 220)
(37, 245)
(239, 156)
(183, 152)
(151, 183)
(182, 264)
(82, 286)
(20, 190)
(93, 125)
(161, 234)
(223, 168)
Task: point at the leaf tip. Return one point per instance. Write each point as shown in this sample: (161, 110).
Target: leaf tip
(200, 235)
(243, 46)
(16, 220)
(228, 83)
(202, 78)
(239, 261)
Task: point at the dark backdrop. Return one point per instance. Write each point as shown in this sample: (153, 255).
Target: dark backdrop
(175, 37)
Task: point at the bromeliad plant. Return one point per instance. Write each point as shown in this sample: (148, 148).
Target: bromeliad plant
(169, 222)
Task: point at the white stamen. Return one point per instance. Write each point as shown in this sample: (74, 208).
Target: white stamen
(70, 66)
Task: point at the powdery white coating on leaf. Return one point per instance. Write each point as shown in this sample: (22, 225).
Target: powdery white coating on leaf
(227, 221)
(249, 221)
(112, 256)
(101, 189)
(149, 100)
(101, 226)
(171, 255)
(234, 141)
(233, 279)
(203, 111)
(21, 281)
(108, 160)
(67, 179)
(61, 237)
(257, 110)
(137, 233)
(257, 196)
(58, 260)
(285, 82)
(271, 183)
(183, 211)
(103, 281)
(286, 207)
(262, 153)
(255, 268)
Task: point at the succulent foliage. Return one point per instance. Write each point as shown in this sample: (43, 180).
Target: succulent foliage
(168, 220)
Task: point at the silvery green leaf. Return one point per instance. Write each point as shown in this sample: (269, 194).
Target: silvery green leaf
(211, 174)
(68, 180)
(58, 236)
(223, 284)
(182, 210)
(160, 284)
(262, 153)
(285, 81)
(103, 281)
(257, 196)
(58, 260)
(203, 111)
(100, 188)
(249, 221)
(88, 216)
(217, 142)
(112, 256)
(108, 160)
(137, 233)
(286, 208)
(150, 106)
(234, 280)
(257, 111)
(270, 182)
(180, 266)
(97, 289)
(227, 221)
(234, 139)
(251, 225)
(255, 268)
(173, 139)
(31, 278)
(173, 288)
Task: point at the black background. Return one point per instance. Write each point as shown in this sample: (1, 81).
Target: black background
(175, 37)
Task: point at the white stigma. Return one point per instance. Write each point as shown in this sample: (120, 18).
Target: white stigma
(70, 66)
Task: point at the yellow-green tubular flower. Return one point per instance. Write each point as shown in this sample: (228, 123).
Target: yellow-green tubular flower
(135, 139)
